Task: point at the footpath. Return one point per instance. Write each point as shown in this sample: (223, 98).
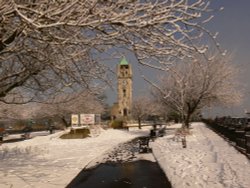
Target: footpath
(48, 161)
(51, 162)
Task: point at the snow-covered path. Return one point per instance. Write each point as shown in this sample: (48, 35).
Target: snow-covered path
(208, 161)
(47, 161)
(51, 162)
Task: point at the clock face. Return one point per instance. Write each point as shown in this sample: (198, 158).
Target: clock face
(124, 82)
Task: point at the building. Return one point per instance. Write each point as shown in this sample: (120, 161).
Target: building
(122, 109)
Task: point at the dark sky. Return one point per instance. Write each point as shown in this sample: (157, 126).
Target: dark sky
(233, 25)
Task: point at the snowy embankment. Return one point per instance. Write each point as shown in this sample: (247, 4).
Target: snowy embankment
(51, 162)
(208, 161)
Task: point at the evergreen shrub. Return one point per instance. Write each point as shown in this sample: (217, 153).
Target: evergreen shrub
(117, 124)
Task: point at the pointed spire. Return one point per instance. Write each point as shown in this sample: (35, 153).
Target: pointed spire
(123, 61)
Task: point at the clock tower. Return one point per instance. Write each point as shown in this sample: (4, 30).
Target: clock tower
(124, 89)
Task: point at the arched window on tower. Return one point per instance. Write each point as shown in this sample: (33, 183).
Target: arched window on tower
(124, 92)
(125, 112)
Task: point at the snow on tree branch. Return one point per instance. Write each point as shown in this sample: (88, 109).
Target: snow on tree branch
(48, 46)
(191, 86)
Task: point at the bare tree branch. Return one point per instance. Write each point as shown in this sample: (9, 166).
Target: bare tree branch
(191, 86)
(48, 46)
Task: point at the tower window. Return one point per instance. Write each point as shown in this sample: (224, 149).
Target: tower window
(125, 112)
(124, 92)
(124, 66)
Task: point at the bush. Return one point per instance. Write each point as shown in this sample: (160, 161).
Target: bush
(174, 116)
(76, 134)
(117, 124)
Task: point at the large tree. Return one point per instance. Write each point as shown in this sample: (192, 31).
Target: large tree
(191, 86)
(50, 46)
(17, 111)
(61, 109)
(84, 103)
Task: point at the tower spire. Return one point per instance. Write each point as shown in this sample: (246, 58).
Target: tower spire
(123, 61)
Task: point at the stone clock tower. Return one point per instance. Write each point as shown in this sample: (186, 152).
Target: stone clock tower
(124, 89)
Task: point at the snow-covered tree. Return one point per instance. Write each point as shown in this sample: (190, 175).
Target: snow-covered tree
(17, 111)
(50, 46)
(191, 86)
(142, 107)
(84, 103)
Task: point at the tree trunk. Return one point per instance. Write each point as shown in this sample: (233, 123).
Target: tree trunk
(186, 121)
(65, 122)
(139, 123)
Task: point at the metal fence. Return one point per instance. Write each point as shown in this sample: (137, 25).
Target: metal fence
(238, 134)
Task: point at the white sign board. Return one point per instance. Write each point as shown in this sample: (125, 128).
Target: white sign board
(74, 119)
(87, 119)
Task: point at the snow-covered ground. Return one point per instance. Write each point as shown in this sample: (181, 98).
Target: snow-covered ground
(208, 161)
(51, 162)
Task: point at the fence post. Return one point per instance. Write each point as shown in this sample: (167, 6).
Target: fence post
(241, 140)
(247, 131)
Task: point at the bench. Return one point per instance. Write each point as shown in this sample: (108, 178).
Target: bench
(144, 145)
